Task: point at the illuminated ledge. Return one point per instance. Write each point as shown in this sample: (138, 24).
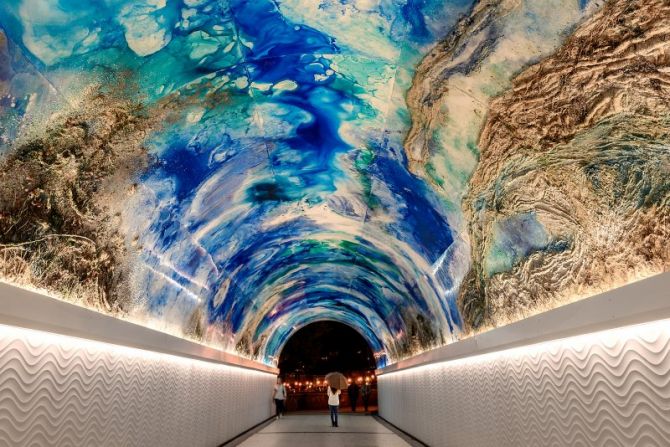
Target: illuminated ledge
(24, 308)
(638, 302)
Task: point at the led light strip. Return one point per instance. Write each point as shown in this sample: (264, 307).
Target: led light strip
(29, 309)
(576, 343)
(35, 337)
(639, 302)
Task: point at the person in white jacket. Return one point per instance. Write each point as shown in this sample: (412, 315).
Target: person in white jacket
(333, 404)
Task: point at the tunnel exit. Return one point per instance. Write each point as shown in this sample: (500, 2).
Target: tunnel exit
(321, 348)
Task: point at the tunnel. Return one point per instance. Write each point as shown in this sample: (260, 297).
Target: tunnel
(466, 201)
(318, 349)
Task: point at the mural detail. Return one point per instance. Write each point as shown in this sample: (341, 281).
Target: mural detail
(231, 171)
(571, 195)
(58, 193)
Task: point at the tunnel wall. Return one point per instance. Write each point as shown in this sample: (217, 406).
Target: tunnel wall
(71, 376)
(594, 373)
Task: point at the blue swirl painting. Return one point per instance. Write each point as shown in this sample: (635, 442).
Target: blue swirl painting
(233, 170)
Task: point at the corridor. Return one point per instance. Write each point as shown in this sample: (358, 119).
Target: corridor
(453, 213)
(314, 429)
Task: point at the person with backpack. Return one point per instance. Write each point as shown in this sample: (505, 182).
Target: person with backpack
(279, 396)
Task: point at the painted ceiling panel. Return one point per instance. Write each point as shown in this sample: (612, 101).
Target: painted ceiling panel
(231, 171)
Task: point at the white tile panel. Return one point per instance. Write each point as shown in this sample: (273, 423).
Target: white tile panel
(57, 390)
(610, 388)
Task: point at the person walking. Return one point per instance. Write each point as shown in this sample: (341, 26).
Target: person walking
(353, 395)
(365, 395)
(333, 404)
(279, 395)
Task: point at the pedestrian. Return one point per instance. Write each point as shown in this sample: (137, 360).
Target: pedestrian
(353, 395)
(279, 395)
(365, 395)
(333, 404)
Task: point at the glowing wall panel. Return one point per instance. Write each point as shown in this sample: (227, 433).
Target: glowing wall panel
(607, 388)
(66, 391)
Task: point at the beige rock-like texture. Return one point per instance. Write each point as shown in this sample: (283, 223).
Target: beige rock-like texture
(59, 229)
(618, 61)
(578, 151)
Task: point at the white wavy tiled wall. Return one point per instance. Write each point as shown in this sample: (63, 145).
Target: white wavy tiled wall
(63, 391)
(605, 389)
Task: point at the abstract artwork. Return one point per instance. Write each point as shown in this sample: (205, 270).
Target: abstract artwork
(230, 171)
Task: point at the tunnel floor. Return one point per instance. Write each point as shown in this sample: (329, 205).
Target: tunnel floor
(314, 429)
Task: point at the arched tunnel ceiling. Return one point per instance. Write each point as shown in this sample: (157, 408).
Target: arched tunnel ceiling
(233, 170)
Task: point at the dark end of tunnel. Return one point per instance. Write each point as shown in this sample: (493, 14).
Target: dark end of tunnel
(323, 347)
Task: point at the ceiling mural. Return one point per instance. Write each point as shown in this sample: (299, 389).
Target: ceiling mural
(230, 171)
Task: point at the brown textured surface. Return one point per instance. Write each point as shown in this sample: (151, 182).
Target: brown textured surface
(581, 141)
(617, 61)
(58, 226)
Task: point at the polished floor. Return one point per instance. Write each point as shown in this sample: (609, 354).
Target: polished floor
(302, 430)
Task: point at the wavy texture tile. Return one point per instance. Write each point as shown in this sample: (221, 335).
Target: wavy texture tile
(62, 391)
(605, 389)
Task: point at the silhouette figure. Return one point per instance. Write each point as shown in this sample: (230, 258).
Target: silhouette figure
(353, 395)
